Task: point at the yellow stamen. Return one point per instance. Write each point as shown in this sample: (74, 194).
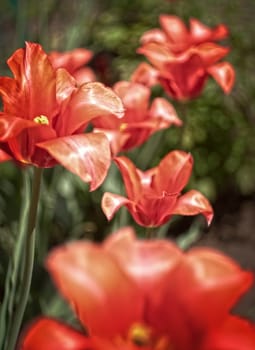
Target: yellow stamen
(140, 334)
(123, 126)
(41, 119)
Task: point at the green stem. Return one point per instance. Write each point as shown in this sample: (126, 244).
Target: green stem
(150, 232)
(28, 261)
(12, 276)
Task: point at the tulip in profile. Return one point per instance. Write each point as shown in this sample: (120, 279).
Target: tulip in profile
(154, 196)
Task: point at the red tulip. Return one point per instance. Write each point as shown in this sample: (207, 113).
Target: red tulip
(178, 38)
(45, 113)
(183, 76)
(130, 294)
(74, 61)
(154, 196)
(140, 120)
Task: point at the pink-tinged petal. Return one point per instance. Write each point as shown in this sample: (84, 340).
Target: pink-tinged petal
(234, 333)
(116, 138)
(157, 54)
(35, 77)
(97, 288)
(130, 177)
(46, 333)
(135, 98)
(164, 111)
(194, 203)
(70, 60)
(176, 31)
(11, 126)
(111, 203)
(210, 53)
(145, 74)
(86, 155)
(65, 85)
(147, 262)
(91, 100)
(154, 35)
(173, 172)
(204, 287)
(220, 32)
(84, 75)
(217, 282)
(200, 33)
(224, 74)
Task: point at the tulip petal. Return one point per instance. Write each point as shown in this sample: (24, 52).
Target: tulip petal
(70, 60)
(173, 172)
(135, 98)
(164, 111)
(86, 155)
(130, 177)
(176, 31)
(89, 278)
(49, 334)
(147, 262)
(224, 74)
(111, 203)
(193, 203)
(204, 287)
(145, 74)
(89, 101)
(201, 33)
(210, 53)
(11, 126)
(153, 35)
(157, 54)
(33, 74)
(66, 84)
(235, 334)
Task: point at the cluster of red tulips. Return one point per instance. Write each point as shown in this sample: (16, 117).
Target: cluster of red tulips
(128, 293)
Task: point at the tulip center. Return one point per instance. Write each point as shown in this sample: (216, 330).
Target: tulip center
(143, 336)
(41, 119)
(123, 126)
(140, 334)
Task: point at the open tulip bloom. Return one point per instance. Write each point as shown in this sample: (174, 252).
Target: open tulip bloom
(45, 113)
(185, 59)
(154, 196)
(140, 119)
(183, 76)
(130, 294)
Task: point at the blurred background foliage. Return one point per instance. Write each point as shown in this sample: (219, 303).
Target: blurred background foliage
(219, 130)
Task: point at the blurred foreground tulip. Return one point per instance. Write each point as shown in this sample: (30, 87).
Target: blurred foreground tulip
(45, 113)
(140, 120)
(130, 294)
(74, 62)
(154, 196)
